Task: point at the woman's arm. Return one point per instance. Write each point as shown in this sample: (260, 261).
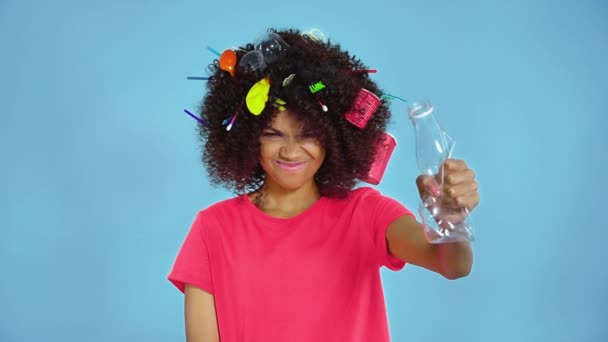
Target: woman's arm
(406, 240)
(405, 236)
(201, 321)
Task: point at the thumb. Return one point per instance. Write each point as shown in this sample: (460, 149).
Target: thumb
(427, 185)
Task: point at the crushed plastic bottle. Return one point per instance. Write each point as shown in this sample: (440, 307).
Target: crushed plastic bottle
(442, 223)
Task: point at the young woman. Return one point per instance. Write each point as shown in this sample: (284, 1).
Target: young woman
(296, 255)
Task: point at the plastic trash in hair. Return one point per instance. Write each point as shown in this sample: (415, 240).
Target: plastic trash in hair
(442, 222)
(385, 145)
(228, 61)
(258, 96)
(314, 35)
(272, 47)
(362, 108)
(252, 61)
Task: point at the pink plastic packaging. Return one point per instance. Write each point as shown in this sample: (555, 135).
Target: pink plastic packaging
(384, 150)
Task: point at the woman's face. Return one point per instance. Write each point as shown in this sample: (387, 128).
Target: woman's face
(289, 156)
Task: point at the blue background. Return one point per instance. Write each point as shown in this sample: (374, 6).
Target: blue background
(100, 176)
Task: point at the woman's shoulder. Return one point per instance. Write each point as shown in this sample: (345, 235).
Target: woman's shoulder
(362, 192)
(368, 196)
(223, 207)
(356, 197)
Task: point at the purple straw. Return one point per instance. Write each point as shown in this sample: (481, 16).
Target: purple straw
(197, 119)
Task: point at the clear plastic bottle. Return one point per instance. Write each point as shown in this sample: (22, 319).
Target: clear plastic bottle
(433, 147)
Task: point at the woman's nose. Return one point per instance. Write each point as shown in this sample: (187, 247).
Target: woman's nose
(290, 148)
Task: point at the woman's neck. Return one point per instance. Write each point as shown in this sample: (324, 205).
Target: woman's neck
(280, 202)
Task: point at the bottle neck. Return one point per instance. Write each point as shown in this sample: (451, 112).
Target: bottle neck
(424, 120)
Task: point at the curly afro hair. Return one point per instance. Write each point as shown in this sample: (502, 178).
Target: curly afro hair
(232, 157)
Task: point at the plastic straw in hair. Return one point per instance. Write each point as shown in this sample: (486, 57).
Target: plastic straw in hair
(197, 119)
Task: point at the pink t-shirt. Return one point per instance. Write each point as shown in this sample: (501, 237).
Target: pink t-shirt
(313, 277)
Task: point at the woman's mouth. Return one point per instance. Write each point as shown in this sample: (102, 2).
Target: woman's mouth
(290, 166)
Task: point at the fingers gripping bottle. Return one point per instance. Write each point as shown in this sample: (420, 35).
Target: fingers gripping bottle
(443, 221)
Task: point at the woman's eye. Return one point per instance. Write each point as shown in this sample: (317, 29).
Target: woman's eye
(309, 135)
(270, 134)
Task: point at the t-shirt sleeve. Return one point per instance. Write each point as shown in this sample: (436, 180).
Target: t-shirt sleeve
(385, 210)
(191, 265)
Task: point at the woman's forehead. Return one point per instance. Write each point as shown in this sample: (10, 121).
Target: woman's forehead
(286, 120)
